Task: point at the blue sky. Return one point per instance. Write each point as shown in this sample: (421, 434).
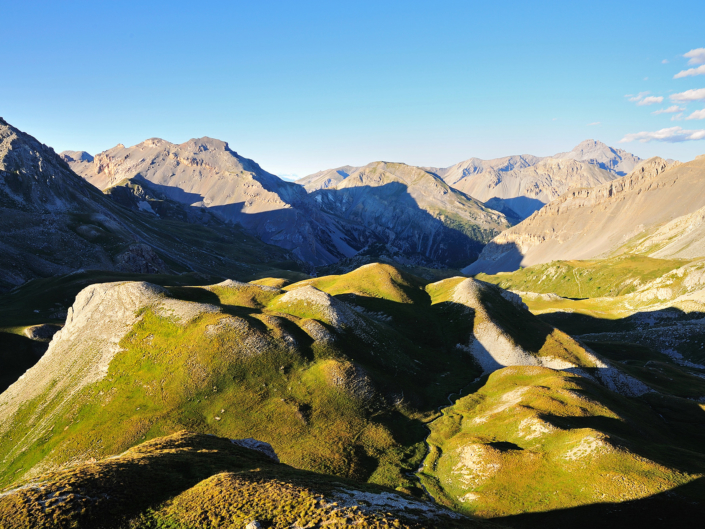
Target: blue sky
(301, 86)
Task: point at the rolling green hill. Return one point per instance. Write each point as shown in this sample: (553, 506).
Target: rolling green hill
(189, 480)
(343, 375)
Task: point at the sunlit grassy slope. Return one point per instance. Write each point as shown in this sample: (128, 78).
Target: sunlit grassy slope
(652, 303)
(348, 398)
(342, 375)
(533, 439)
(188, 480)
(586, 279)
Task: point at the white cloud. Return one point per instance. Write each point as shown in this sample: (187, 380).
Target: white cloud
(670, 135)
(670, 110)
(651, 100)
(689, 95)
(696, 56)
(698, 114)
(700, 70)
(665, 61)
(594, 123)
(638, 97)
(677, 117)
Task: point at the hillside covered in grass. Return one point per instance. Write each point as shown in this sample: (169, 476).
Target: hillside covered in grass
(536, 440)
(342, 375)
(189, 480)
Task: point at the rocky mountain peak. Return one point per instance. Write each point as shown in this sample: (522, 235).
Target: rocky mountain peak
(595, 152)
(76, 156)
(206, 144)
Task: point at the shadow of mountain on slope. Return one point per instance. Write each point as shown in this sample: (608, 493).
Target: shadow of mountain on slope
(641, 445)
(671, 332)
(678, 507)
(496, 257)
(17, 355)
(395, 216)
(517, 208)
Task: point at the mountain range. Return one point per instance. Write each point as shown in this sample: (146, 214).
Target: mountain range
(188, 341)
(435, 222)
(516, 185)
(54, 223)
(652, 211)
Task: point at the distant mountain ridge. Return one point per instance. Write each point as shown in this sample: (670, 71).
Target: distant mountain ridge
(608, 158)
(54, 223)
(206, 173)
(620, 216)
(516, 185)
(417, 211)
(442, 225)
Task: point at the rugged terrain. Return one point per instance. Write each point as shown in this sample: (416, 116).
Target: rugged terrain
(380, 394)
(190, 480)
(347, 370)
(411, 210)
(54, 223)
(613, 218)
(523, 184)
(414, 212)
(326, 178)
(516, 185)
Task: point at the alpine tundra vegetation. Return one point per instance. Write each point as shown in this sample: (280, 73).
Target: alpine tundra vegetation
(392, 265)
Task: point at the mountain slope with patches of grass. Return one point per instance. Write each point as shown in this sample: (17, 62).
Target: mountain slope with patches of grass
(535, 440)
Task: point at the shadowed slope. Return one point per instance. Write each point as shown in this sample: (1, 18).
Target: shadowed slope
(187, 480)
(413, 211)
(534, 440)
(590, 223)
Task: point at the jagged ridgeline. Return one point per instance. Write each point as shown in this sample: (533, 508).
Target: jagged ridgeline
(340, 374)
(412, 211)
(53, 222)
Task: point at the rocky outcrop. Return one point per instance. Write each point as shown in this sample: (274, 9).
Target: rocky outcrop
(413, 211)
(596, 222)
(498, 339)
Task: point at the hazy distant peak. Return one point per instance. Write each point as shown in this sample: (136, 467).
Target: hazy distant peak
(76, 156)
(205, 144)
(597, 153)
(327, 178)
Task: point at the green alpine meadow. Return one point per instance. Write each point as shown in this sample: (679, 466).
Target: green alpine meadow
(375, 265)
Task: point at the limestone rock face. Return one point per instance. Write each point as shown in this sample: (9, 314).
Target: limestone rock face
(596, 222)
(52, 222)
(413, 211)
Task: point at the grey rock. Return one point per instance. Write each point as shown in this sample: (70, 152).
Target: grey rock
(260, 446)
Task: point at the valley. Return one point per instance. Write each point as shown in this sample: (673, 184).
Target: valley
(187, 340)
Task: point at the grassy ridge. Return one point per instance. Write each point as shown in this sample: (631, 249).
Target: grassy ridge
(586, 279)
(533, 439)
(253, 371)
(187, 480)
